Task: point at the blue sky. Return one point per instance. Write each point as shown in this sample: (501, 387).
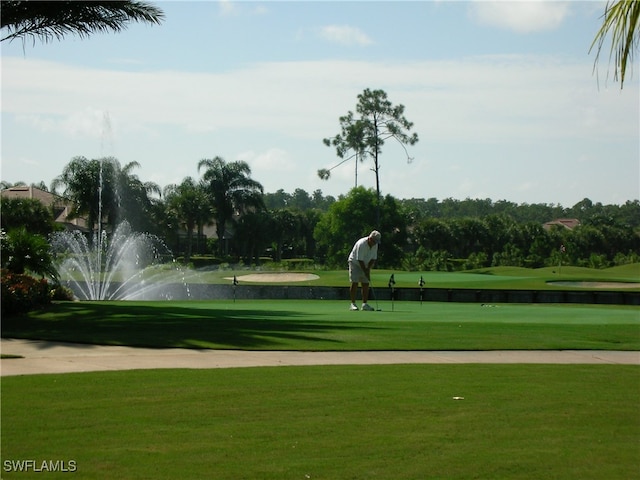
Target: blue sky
(502, 95)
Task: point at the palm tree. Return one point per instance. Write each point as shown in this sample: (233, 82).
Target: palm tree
(23, 251)
(232, 191)
(54, 20)
(135, 204)
(254, 235)
(286, 226)
(102, 190)
(188, 202)
(91, 198)
(621, 20)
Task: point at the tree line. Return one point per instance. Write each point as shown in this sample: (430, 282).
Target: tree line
(253, 226)
(418, 233)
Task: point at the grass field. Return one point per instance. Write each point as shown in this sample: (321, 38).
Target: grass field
(321, 325)
(338, 422)
(494, 277)
(333, 422)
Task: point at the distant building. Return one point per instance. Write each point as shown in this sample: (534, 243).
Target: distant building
(568, 223)
(61, 206)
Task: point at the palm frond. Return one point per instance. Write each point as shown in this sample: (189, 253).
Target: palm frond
(53, 20)
(620, 21)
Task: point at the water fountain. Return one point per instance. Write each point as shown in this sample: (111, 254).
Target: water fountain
(122, 265)
(125, 265)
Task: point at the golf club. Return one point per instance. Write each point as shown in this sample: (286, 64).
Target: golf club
(373, 294)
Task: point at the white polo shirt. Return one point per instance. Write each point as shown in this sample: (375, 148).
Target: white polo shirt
(362, 251)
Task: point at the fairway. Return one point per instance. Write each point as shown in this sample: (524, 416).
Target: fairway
(510, 278)
(323, 325)
(359, 422)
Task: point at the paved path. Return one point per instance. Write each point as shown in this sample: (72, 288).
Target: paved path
(55, 357)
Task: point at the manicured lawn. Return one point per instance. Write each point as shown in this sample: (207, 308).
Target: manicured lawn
(338, 422)
(521, 278)
(319, 325)
(329, 422)
(486, 278)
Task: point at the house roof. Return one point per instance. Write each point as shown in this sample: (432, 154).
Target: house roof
(60, 205)
(568, 223)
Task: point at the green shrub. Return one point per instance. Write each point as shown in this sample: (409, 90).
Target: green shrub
(203, 261)
(297, 263)
(597, 261)
(212, 245)
(475, 261)
(26, 252)
(59, 292)
(439, 261)
(200, 261)
(21, 293)
(622, 259)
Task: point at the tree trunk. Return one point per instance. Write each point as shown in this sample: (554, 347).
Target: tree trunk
(220, 232)
(377, 170)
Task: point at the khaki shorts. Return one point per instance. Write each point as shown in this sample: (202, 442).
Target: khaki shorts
(356, 274)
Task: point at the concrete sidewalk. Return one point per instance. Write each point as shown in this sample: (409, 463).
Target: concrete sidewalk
(54, 357)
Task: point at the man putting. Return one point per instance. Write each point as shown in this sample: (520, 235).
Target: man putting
(362, 257)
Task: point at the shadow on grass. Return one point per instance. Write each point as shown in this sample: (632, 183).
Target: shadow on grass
(166, 325)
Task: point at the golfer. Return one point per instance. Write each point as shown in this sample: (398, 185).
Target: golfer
(362, 257)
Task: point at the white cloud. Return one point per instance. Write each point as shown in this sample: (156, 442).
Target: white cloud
(229, 7)
(466, 113)
(270, 166)
(484, 99)
(272, 159)
(345, 35)
(259, 10)
(520, 16)
(89, 122)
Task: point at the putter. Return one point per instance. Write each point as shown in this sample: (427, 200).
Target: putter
(373, 293)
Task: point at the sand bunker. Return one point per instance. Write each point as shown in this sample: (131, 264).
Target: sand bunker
(596, 284)
(276, 277)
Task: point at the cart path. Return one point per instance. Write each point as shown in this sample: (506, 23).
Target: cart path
(56, 357)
